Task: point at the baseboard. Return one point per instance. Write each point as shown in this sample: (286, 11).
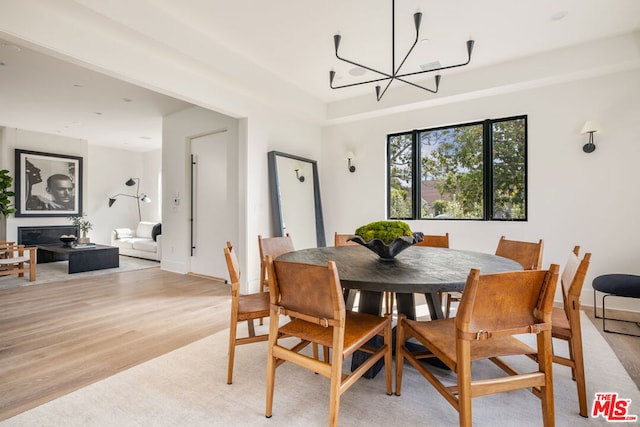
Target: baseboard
(612, 313)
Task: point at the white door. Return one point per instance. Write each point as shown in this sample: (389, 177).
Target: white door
(214, 206)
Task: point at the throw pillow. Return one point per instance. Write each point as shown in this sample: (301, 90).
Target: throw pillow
(157, 229)
(122, 233)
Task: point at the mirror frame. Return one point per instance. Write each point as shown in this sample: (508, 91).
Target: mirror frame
(274, 187)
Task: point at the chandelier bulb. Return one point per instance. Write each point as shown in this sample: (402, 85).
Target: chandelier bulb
(332, 75)
(378, 92)
(417, 18)
(470, 47)
(336, 41)
(438, 76)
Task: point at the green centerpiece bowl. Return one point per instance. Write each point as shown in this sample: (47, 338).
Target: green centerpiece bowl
(386, 238)
(386, 252)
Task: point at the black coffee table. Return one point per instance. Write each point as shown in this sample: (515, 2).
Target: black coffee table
(81, 259)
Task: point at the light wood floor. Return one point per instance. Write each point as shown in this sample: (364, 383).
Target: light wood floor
(59, 337)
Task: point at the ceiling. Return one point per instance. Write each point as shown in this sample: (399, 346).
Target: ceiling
(291, 40)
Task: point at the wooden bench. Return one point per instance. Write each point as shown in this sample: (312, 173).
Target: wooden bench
(14, 257)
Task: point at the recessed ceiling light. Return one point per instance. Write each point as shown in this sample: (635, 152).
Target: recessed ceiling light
(98, 113)
(2, 64)
(430, 66)
(559, 15)
(357, 71)
(127, 99)
(77, 85)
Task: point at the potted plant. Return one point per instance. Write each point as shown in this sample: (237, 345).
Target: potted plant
(6, 208)
(83, 224)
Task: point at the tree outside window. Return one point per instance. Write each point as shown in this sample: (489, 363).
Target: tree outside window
(468, 171)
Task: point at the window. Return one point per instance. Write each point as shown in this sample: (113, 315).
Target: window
(466, 171)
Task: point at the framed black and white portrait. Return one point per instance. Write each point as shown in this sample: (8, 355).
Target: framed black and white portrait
(48, 184)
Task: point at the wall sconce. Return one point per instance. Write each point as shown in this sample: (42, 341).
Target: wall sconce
(140, 197)
(350, 156)
(298, 176)
(590, 128)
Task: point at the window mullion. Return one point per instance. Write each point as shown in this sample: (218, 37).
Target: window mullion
(487, 161)
(417, 178)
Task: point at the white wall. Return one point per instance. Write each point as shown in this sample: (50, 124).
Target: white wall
(108, 170)
(574, 198)
(177, 130)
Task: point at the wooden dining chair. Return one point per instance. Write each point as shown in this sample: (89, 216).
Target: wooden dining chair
(529, 254)
(494, 308)
(274, 246)
(441, 241)
(434, 241)
(246, 307)
(311, 295)
(343, 240)
(566, 321)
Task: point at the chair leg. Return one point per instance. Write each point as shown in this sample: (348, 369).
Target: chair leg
(576, 347)
(336, 382)
(251, 328)
(232, 350)
(389, 300)
(464, 384)
(399, 353)
(545, 361)
(271, 363)
(32, 271)
(388, 362)
(572, 358)
(447, 305)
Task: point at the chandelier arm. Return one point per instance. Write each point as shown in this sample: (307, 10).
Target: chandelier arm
(415, 42)
(388, 76)
(418, 86)
(359, 83)
(448, 67)
(380, 95)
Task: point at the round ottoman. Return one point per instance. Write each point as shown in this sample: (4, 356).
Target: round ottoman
(618, 285)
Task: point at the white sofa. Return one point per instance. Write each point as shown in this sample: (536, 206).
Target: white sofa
(139, 242)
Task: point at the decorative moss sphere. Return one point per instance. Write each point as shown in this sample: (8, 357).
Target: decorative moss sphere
(387, 231)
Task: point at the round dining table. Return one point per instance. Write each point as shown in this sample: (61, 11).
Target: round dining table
(417, 269)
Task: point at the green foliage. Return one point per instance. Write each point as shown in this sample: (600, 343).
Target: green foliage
(452, 165)
(82, 222)
(401, 175)
(6, 208)
(387, 231)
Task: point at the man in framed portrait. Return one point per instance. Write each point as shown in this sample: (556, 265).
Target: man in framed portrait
(60, 195)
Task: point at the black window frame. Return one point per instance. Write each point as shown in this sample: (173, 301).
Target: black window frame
(488, 167)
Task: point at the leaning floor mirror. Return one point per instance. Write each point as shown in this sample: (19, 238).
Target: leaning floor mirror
(295, 199)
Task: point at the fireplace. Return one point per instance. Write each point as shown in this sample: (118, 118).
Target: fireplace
(44, 235)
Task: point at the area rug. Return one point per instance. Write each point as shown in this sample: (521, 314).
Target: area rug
(187, 387)
(58, 272)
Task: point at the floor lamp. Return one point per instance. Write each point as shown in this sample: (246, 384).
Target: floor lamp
(139, 197)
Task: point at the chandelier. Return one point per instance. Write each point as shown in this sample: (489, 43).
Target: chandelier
(395, 72)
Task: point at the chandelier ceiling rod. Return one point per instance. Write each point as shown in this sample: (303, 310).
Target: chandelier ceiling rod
(417, 19)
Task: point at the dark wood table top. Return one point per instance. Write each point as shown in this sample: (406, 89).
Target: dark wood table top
(417, 269)
(59, 248)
